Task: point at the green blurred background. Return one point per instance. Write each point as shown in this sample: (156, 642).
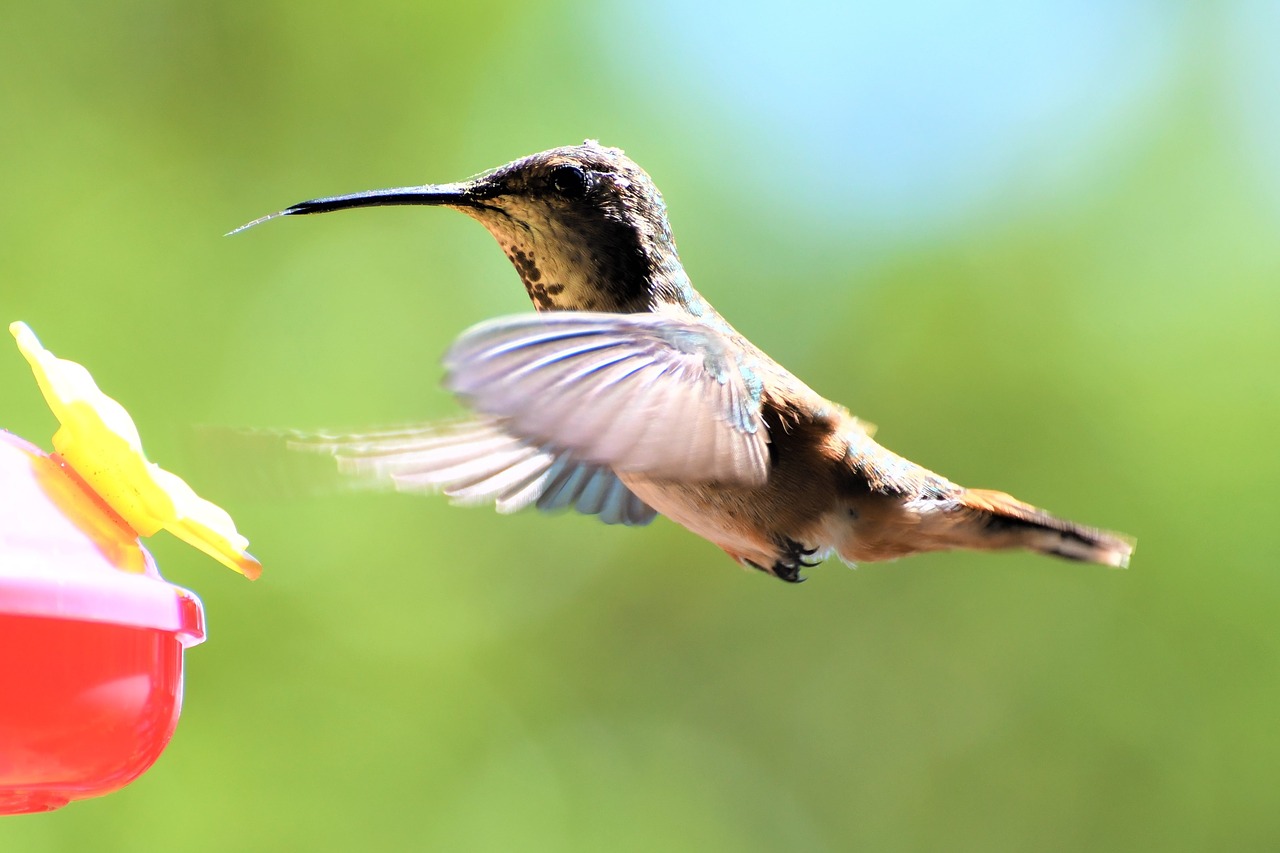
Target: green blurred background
(1034, 241)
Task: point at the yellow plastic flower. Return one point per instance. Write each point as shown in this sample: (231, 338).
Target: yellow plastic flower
(99, 441)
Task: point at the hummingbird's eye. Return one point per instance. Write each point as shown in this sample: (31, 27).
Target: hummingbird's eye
(569, 181)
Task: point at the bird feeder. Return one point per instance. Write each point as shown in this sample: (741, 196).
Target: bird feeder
(91, 636)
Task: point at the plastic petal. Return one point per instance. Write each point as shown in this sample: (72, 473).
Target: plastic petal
(98, 439)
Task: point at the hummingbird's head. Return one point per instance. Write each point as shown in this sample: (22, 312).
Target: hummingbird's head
(584, 225)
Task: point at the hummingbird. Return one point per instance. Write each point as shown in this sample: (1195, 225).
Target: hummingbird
(625, 395)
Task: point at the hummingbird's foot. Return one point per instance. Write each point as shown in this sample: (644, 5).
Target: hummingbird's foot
(793, 559)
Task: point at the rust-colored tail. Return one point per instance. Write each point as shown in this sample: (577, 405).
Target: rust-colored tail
(1003, 521)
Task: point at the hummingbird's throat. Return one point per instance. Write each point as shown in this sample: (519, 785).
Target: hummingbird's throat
(545, 295)
(564, 265)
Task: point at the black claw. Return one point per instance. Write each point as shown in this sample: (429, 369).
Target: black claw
(782, 570)
(793, 560)
(788, 566)
(788, 572)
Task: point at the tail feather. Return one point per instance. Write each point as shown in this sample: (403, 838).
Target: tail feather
(1008, 522)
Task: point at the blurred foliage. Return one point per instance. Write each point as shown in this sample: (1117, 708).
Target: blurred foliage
(410, 675)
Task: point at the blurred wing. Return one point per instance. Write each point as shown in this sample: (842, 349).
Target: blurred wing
(633, 392)
(477, 461)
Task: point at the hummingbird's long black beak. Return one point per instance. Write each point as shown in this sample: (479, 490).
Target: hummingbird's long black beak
(457, 195)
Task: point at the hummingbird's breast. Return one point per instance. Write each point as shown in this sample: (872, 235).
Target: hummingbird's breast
(760, 524)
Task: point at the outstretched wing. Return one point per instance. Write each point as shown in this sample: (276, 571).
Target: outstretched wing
(478, 461)
(568, 400)
(638, 393)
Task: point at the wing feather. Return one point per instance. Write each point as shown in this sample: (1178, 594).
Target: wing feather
(478, 462)
(637, 393)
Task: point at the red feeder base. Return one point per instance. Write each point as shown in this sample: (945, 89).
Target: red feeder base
(87, 707)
